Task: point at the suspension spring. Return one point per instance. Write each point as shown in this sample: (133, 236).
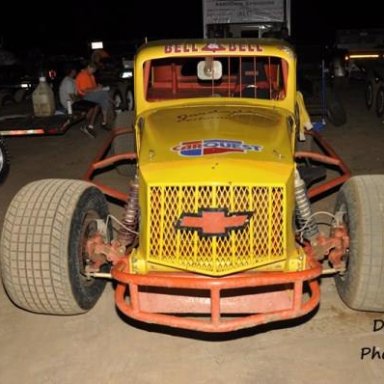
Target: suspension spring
(304, 215)
(127, 233)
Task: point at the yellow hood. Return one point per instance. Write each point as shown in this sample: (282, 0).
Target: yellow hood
(214, 143)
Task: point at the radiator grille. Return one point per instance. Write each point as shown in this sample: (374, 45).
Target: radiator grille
(259, 243)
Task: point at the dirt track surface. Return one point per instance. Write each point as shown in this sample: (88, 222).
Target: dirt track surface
(102, 346)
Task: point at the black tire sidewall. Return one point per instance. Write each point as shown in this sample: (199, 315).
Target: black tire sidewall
(86, 292)
(369, 94)
(346, 283)
(361, 285)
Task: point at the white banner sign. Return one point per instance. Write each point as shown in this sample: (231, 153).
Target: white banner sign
(243, 11)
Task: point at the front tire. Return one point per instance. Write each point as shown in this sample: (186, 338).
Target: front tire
(361, 286)
(4, 160)
(42, 250)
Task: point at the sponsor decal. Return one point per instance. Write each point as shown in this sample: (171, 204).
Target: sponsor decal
(212, 47)
(213, 222)
(214, 147)
(207, 115)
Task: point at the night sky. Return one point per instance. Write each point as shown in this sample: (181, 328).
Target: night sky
(72, 23)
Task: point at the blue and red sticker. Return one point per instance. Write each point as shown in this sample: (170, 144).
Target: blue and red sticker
(214, 147)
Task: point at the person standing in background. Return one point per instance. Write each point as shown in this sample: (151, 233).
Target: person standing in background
(98, 56)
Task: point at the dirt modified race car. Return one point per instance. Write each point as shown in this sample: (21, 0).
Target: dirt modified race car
(217, 232)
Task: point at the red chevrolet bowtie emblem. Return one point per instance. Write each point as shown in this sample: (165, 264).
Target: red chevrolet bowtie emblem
(214, 222)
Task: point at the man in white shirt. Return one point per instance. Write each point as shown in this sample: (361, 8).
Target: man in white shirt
(67, 89)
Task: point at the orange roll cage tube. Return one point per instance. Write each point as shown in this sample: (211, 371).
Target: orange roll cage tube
(328, 157)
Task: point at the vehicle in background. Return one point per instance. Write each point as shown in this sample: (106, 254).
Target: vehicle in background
(356, 51)
(374, 88)
(16, 84)
(19, 79)
(359, 55)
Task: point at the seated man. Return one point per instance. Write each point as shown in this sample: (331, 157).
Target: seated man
(88, 89)
(70, 101)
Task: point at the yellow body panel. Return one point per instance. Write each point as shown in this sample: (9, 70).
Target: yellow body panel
(216, 154)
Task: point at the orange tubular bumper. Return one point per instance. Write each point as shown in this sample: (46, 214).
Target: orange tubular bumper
(260, 298)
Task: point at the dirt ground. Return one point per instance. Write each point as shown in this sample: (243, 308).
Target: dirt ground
(102, 346)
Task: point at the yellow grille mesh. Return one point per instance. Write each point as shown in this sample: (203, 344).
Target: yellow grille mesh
(261, 242)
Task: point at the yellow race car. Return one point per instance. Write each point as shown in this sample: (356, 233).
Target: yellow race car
(217, 231)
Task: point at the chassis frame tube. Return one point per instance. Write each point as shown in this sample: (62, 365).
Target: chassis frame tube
(297, 307)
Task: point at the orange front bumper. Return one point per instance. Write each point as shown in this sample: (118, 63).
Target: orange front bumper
(230, 303)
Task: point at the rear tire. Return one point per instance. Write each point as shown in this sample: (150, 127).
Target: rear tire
(369, 94)
(380, 101)
(42, 250)
(361, 286)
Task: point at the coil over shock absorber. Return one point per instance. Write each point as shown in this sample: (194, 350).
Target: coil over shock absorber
(307, 224)
(128, 231)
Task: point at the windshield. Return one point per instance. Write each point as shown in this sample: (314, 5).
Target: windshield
(260, 77)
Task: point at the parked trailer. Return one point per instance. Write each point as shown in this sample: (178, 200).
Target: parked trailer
(30, 125)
